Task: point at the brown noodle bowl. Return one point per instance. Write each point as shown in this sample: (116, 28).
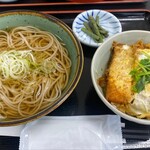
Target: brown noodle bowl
(34, 69)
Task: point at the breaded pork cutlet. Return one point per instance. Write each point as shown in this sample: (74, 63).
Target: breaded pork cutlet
(119, 81)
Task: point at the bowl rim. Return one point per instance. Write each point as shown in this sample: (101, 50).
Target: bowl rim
(101, 96)
(75, 80)
(92, 11)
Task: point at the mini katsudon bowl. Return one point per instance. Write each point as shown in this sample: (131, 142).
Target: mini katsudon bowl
(41, 62)
(120, 72)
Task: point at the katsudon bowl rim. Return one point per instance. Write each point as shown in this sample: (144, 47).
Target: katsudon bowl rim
(74, 81)
(98, 51)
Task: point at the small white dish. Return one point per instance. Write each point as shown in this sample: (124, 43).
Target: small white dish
(106, 20)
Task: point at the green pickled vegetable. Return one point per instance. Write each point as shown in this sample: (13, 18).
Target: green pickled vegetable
(97, 20)
(93, 25)
(91, 34)
(86, 25)
(94, 30)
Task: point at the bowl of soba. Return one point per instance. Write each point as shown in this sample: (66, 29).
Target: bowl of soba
(120, 72)
(41, 62)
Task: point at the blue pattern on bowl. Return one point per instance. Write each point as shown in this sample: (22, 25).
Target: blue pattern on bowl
(107, 20)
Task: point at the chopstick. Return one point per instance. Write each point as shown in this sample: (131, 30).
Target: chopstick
(137, 145)
(136, 134)
(138, 138)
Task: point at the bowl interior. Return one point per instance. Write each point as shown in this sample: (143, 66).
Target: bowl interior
(100, 62)
(49, 23)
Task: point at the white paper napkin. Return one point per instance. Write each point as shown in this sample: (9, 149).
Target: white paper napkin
(73, 133)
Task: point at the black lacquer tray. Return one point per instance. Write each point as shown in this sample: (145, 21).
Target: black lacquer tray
(84, 100)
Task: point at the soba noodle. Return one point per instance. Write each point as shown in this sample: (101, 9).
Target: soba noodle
(34, 69)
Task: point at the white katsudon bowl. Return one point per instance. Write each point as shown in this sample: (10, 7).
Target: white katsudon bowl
(100, 62)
